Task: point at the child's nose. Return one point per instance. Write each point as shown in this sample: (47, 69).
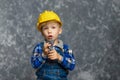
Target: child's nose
(49, 30)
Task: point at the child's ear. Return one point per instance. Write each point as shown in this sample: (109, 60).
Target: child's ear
(60, 31)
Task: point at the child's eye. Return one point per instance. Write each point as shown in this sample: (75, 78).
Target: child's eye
(53, 27)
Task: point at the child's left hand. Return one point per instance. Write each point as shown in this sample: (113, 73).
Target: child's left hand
(53, 55)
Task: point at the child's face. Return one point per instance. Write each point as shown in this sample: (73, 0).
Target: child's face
(51, 30)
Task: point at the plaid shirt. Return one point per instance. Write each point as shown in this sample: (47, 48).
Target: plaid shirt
(67, 62)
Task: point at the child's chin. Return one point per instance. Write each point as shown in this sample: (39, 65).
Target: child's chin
(49, 39)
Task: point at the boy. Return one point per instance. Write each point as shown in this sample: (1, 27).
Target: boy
(52, 59)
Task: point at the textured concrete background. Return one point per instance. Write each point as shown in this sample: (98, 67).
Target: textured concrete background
(91, 28)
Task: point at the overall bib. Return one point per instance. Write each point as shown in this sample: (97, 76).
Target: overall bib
(52, 70)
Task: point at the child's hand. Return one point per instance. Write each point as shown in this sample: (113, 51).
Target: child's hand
(53, 55)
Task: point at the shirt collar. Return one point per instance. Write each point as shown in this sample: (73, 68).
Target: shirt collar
(60, 44)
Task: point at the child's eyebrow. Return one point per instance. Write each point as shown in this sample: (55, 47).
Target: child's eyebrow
(45, 27)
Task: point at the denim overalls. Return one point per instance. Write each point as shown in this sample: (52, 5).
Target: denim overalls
(52, 70)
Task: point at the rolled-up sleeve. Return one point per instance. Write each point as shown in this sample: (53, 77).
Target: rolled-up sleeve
(37, 59)
(68, 60)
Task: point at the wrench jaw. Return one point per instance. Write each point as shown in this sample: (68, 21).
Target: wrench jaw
(51, 42)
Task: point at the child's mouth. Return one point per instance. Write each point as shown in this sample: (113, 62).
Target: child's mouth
(50, 37)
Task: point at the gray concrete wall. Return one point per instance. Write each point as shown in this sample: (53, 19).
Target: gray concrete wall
(90, 27)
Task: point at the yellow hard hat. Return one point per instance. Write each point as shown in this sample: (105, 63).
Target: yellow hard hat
(47, 16)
